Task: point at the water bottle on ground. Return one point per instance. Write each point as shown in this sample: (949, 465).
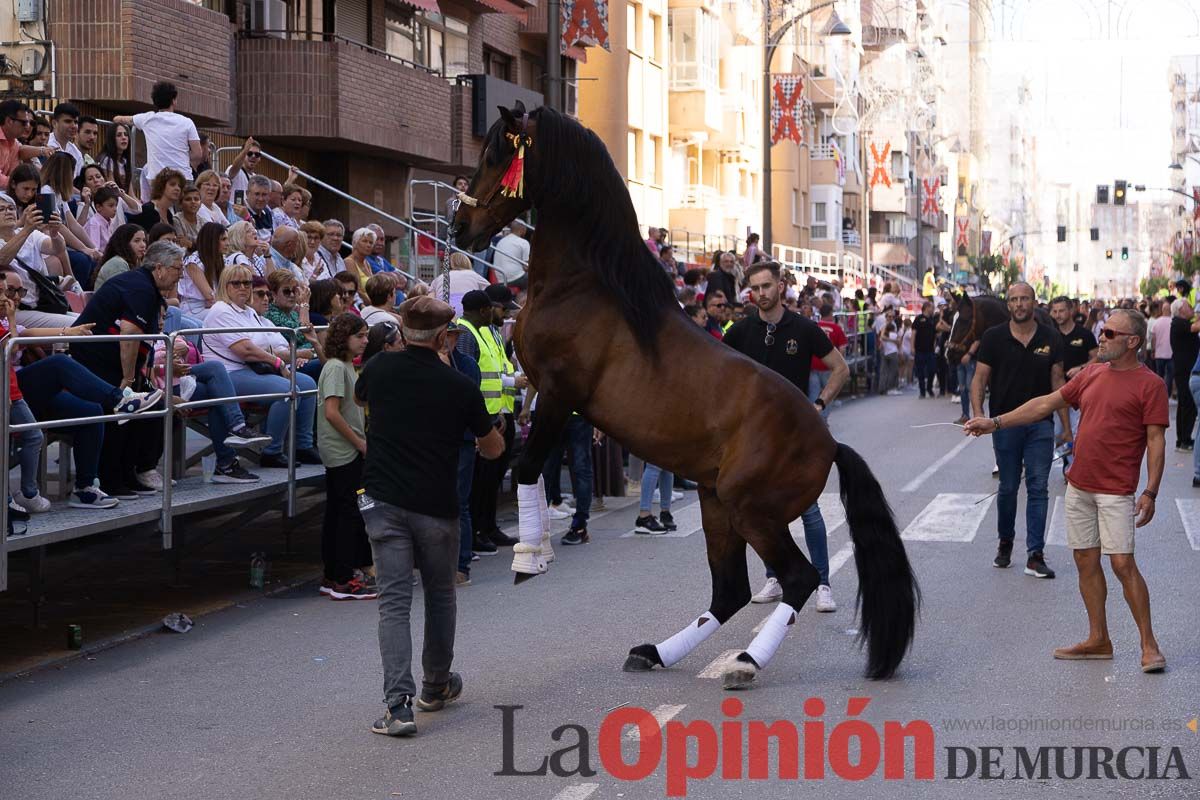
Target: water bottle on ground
(208, 464)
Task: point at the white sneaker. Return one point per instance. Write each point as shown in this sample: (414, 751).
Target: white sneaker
(825, 601)
(894, 393)
(769, 593)
(91, 497)
(560, 511)
(151, 478)
(34, 505)
(995, 469)
(657, 498)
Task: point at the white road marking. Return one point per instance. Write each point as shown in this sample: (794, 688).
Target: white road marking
(717, 668)
(661, 715)
(580, 791)
(687, 519)
(1057, 532)
(836, 562)
(929, 471)
(949, 517)
(1189, 512)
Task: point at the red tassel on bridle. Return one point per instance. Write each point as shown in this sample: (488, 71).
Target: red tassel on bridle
(513, 182)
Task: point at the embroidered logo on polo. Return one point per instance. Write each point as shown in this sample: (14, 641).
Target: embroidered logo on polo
(1075, 342)
(792, 347)
(1044, 350)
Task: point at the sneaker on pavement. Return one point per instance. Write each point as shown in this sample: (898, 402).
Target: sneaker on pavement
(233, 472)
(501, 539)
(244, 436)
(462, 579)
(474, 556)
(769, 593)
(437, 698)
(121, 492)
(825, 601)
(353, 589)
(1036, 566)
(667, 521)
(366, 580)
(576, 536)
(34, 505)
(894, 392)
(1003, 554)
(92, 497)
(646, 523)
(397, 721)
(326, 585)
(482, 546)
(560, 511)
(149, 479)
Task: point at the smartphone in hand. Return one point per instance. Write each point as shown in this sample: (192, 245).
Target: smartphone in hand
(239, 197)
(47, 206)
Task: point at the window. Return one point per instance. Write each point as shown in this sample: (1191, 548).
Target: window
(634, 143)
(656, 46)
(533, 70)
(694, 46)
(497, 65)
(653, 165)
(633, 27)
(820, 230)
(897, 166)
(430, 40)
(795, 206)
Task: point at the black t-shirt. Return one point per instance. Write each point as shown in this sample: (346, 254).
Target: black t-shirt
(130, 296)
(1077, 345)
(924, 333)
(1019, 372)
(796, 341)
(1185, 346)
(419, 408)
(1080, 319)
(721, 281)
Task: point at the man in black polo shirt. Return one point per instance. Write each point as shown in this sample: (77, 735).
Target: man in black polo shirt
(131, 303)
(419, 410)
(1080, 348)
(924, 333)
(1017, 361)
(787, 343)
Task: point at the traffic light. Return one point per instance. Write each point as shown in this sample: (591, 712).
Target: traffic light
(1108, 254)
(1102, 195)
(1124, 253)
(1119, 193)
(1062, 233)
(1095, 234)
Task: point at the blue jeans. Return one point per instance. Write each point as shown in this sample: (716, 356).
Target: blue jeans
(1194, 386)
(212, 382)
(466, 471)
(653, 476)
(1033, 447)
(30, 442)
(175, 320)
(58, 387)
(248, 382)
(816, 542)
(965, 376)
(818, 379)
(577, 439)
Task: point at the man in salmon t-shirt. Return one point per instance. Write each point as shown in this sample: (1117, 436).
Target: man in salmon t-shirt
(1125, 414)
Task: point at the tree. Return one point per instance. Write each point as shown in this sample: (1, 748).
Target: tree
(1154, 285)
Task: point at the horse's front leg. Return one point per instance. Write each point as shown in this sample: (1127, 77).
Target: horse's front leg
(532, 553)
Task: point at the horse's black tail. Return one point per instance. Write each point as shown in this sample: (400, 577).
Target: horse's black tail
(888, 595)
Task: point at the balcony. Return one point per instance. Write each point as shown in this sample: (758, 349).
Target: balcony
(110, 52)
(889, 249)
(331, 98)
(827, 165)
(825, 92)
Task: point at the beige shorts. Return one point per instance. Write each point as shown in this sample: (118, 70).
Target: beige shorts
(1099, 520)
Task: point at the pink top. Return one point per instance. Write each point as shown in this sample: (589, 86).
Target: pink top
(100, 230)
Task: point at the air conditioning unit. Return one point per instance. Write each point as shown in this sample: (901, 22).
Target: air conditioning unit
(269, 18)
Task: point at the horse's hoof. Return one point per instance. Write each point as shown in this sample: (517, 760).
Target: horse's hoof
(642, 658)
(739, 674)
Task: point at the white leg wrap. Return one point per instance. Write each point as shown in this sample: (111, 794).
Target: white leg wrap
(543, 506)
(771, 636)
(674, 649)
(527, 553)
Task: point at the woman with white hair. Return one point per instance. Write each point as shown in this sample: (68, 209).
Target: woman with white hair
(245, 248)
(462, 279)
(363, 244)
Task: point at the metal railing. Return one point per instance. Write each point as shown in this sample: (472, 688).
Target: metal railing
(166, 413)
(282, 34)
(439, 222)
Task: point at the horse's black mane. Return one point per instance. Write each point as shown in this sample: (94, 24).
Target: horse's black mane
(571, 179)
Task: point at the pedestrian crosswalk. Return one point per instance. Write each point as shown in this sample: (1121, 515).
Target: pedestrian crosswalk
(949, 517)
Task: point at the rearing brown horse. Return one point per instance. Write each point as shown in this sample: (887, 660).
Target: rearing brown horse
(602, 334)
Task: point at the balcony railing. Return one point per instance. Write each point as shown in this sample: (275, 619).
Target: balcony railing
(318, 36)
(697, 195)
(851, 239)
(823, 152)
(888, 238)
(693, 76)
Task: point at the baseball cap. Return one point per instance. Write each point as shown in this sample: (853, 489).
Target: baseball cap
(477, 300)
(501, 296)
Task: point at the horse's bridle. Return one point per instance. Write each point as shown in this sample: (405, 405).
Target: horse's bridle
(520, 139)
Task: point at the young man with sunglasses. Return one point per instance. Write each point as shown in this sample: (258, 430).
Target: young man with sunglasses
(786, 342)
(1017, 361)
(1124, 414)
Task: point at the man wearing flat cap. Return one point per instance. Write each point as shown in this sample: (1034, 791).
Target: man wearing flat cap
(419, 410)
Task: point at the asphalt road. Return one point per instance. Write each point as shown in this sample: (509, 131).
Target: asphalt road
(274, 699)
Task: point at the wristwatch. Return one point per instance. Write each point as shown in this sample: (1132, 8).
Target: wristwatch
(819, 402)
(996, 421)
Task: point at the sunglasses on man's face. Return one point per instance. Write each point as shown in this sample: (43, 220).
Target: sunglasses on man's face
(253, 155)
(1109, 333)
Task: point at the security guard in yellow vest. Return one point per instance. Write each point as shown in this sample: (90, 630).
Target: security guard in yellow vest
(499, 384)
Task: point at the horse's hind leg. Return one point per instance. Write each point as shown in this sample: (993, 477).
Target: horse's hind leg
(533, 551)
(798, 577)
(730, 590)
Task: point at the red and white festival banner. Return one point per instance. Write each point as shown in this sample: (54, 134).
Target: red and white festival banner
(786, 107)
(584, 23)
(880, 172)
(985, 243)
(932, 204)
(960, 226)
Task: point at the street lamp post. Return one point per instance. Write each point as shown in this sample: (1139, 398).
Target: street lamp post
(770, 43)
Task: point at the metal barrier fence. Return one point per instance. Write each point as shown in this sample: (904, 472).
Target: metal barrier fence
(170, 405)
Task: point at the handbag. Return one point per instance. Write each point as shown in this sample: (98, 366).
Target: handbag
(51, 299)
(257, 367)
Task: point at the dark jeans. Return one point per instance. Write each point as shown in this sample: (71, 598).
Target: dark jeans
(485, 483)
(466, 472)
(1185, 409)
(81, 267)
(924, 367)
(59, 387)
(134, 447)
(577, 440)
(344, 544)
(1033, 447)
(400, 539)
(1165, 369)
